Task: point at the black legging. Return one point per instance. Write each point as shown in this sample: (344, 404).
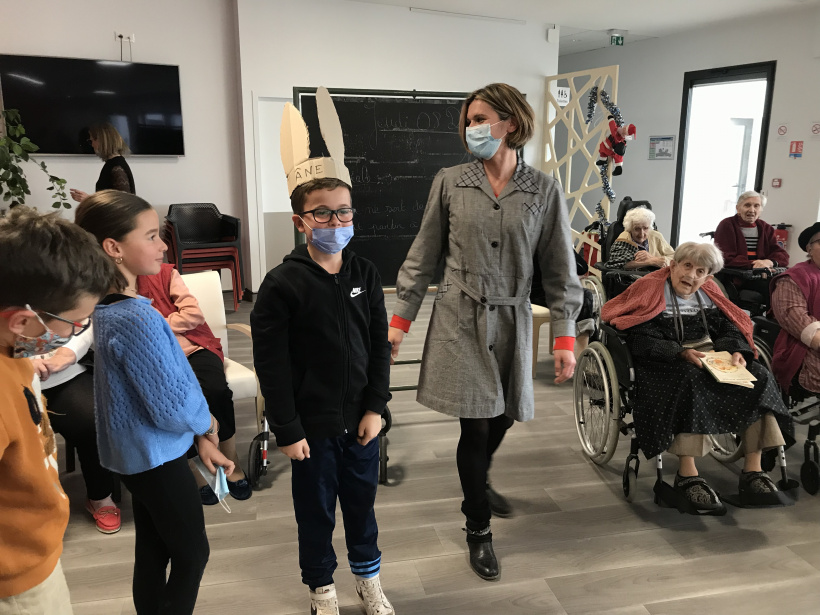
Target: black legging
(479, 440)
(170, 527)
(210, 372)
(71, 411)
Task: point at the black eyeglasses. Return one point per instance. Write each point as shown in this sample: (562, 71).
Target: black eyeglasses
(76, 327)
(323, 214)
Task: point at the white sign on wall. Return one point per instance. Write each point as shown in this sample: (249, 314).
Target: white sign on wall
(562, 96)
(662, 148)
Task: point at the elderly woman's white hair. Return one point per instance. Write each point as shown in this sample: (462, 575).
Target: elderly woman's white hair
(699, 254)
(638, 215)
(750, 194)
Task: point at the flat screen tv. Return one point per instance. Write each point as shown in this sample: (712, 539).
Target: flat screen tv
(59, 98)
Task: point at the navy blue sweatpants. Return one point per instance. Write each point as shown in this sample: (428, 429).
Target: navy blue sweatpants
(340, 467)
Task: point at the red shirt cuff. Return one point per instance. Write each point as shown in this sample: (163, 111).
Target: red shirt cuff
(400, 323)
(564, 342)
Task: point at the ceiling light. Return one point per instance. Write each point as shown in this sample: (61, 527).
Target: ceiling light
(517, 22)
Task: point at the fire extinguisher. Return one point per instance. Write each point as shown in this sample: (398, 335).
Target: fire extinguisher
(781, 234)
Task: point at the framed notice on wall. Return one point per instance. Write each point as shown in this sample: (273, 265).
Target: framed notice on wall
(662, 148)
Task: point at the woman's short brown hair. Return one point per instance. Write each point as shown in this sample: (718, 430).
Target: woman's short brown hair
(109, 141)
(508, 102)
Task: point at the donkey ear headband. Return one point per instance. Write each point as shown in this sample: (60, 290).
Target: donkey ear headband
(294, 144)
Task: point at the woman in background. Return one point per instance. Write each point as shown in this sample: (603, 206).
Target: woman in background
(109, 145)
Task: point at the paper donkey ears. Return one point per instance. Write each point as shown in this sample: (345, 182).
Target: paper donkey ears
(294, 144)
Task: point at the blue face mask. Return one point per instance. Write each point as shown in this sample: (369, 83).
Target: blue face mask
(480, 142)
(217, 482)
(331, 240)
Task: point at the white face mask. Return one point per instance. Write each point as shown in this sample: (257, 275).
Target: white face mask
(481, 142)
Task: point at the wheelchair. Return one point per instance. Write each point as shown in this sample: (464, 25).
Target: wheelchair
(612, 281)
(258, 453)
(603, 389)
(749, 300)
(766, 331)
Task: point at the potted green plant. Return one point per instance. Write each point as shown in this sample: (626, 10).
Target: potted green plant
(15, 149)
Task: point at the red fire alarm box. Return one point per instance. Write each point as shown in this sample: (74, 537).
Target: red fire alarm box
(777, 182)
(781, 234)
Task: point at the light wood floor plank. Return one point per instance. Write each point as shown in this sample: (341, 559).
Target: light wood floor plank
(574, 546)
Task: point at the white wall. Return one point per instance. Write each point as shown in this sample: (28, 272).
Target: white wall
(197, 35)
(343, 44)
(650, 89)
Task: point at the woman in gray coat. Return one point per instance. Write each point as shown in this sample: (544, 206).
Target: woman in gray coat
(487, 219)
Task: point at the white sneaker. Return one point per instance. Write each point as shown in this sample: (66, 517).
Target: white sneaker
(323, 601)
(372, 597)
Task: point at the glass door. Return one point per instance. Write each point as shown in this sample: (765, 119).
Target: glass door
(724, 123)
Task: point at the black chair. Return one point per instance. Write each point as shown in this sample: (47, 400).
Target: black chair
(201, 226)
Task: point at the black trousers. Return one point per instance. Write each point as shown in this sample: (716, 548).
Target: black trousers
(337, 467)
(210, 372)
(479, 440)
(71, 411)
(170, 527)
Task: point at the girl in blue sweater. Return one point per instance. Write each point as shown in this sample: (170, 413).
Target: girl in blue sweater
(149, 410)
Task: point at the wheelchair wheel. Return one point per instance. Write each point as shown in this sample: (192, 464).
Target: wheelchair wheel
(810, 477)
(725, 447)
(764, 353)
(594, 284)
(256, 466)
(597, 403)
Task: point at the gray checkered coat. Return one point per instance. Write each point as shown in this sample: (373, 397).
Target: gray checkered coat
(478, 353)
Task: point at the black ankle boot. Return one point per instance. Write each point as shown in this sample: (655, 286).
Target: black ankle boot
(482, 557)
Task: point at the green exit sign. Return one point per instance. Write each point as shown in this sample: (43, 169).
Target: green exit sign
(616, 40)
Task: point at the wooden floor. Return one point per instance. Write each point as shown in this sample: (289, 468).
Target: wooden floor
(573, 547)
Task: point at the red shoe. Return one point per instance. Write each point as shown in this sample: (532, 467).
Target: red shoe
(107, 518)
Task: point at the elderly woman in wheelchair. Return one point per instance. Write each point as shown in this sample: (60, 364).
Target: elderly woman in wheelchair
(796, 306)
(796, 357)
(666, 320)
(639, 245)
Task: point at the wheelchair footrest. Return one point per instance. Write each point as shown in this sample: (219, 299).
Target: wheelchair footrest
(777, 499)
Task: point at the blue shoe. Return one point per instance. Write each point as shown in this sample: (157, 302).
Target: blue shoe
(241, 489)
(208, 496)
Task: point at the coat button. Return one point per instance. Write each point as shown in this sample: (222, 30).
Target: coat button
(483, 299)
(492, 307)
(496, 206)
(491, 346)
(494, 244)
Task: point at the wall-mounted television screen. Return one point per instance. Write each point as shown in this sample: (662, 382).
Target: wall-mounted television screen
(59, 98)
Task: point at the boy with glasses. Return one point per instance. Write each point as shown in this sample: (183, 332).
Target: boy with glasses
(323, 362)
(53, 274)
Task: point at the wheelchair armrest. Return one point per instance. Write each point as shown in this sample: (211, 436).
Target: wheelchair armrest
(615, 342)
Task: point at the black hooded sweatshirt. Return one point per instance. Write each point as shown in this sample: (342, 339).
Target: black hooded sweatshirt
(320, 346)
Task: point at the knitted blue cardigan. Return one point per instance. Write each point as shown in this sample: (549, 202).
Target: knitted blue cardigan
(148, 403)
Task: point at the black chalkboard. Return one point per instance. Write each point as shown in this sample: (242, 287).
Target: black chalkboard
(395, 143)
